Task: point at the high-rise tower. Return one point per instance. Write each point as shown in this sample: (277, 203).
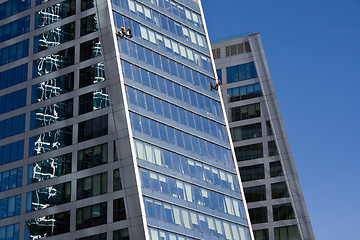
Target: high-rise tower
(276, 204)
(108, 136)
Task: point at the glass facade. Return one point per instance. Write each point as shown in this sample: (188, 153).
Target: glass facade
(14, 28)
(125, 144)
(178, 123)
(268, 173)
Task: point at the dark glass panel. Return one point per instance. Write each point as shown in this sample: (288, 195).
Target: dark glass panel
(91, 216)
(92, 74)
(92, 157)
(249, 152)
(90, 49)
(283, 212)
(258, 215)
(253, 172)
(119, 212)
(88, 24)
(93, 128)
(91, 186)
(276, 169)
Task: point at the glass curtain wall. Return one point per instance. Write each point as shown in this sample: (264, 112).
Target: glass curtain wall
(188, 176)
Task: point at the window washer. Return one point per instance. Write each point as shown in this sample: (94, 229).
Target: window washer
(216, 86)
(129, 33)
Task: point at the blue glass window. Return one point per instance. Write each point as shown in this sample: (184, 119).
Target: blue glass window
(14, 28)
(10, 206)
(14, 52)
(192, 193)
(194, 220)
(241, 72)
(244, 92)
(13, 76)
(11, 152)
(219, 74)
(12, 7)
(12, 126)
(163, 42)
(166, 86)
(222, 154)
(10, 232)
(11, 179)
(13, 101)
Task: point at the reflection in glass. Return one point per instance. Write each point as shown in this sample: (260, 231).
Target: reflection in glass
(48, 197)
(192, 193)
(50, 141)
(49, 168)
(51, 114)
(89, 24)
(90, 49)
(55, 13)
(93, 101)
(54, 37)
(52, 88)
(53, 62)
(244, 92)
(181, 164)
(47, 226)
(206, 224)
(92, 74)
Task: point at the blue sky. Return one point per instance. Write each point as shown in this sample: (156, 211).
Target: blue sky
(313, 52)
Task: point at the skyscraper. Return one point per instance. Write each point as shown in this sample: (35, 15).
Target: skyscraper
(110, 135)
(272, 190)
